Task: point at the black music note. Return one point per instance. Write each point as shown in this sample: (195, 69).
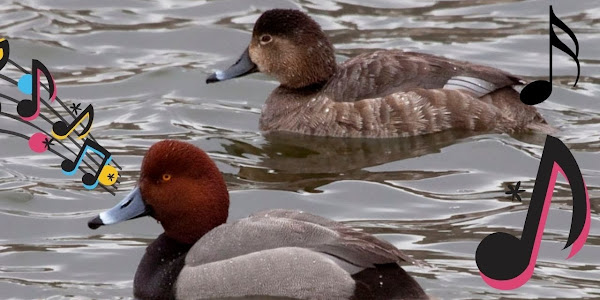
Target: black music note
(506, 262)
(538, 91)
(106, 173)
(4, 52)
(60, 130)
(29, 109)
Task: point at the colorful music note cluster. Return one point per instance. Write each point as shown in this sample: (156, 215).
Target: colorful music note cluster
(505, 261)
(28, 110)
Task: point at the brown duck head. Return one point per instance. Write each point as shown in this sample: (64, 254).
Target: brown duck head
(288, 45)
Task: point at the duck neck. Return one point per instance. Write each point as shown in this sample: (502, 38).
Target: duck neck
(189, 227)
(285, 107)
(309, 67)
(158, 270)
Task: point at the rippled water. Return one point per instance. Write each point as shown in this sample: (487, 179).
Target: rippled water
(143, 63)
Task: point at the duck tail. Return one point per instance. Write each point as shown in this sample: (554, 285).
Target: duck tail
(542, 127)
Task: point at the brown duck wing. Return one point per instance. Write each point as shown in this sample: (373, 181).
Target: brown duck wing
(384, 72)
(423, 111)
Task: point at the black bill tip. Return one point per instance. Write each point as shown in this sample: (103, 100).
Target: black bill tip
(95, 223)
(212, 78)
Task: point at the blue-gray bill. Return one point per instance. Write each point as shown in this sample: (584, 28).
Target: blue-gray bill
(242, 67)
(131, 207)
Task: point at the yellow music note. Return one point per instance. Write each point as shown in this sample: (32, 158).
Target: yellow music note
(4, 52)
(61, 131)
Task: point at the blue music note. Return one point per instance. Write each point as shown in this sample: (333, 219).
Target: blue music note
(106, 174)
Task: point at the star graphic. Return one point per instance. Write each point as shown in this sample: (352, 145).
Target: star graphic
(514, 192)
(75, 107)
(111, 177)
(48, 142)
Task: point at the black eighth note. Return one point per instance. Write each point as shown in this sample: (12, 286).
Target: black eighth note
(538, 91)
(507, 262)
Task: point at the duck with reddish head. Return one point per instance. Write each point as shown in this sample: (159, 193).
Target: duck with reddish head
(386, 93)
(276, 253)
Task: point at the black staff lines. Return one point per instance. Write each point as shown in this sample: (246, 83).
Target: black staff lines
(103, 174)
(55, 112)
(46, 147)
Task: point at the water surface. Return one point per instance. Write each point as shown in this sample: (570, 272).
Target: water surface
(142, 64)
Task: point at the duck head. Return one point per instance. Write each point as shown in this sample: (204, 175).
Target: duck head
(179, 186)
(288, 45)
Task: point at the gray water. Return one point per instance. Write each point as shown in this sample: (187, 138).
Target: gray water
(142, 65)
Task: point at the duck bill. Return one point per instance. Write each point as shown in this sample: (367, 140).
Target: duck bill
(242, 67)
(131, 207)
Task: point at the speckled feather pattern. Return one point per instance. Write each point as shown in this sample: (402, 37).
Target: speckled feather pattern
(390, 93)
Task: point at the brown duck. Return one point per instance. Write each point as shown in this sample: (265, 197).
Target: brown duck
(386, 93)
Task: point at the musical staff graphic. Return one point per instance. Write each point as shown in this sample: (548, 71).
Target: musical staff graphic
(28, 110)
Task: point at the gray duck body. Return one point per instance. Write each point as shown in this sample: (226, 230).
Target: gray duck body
(277, 253)
(295, 255)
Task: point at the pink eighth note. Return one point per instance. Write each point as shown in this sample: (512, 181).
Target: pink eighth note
(36, 142)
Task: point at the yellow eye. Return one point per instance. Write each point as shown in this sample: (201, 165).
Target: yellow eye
(166, 177)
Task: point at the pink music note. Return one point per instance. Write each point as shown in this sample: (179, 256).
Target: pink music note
(29, 109)
(506, 262)
(39, 142)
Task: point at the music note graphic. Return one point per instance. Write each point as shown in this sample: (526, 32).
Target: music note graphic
(4, 52)
(506, 262)
(60, 130)
(29, 109)
(39, 142)
(538, 91)
(106, 174)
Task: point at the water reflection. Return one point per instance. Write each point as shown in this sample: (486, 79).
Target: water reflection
(297, 162)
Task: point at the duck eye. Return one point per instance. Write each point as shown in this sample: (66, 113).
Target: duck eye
(166, 177)
(265, 39)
